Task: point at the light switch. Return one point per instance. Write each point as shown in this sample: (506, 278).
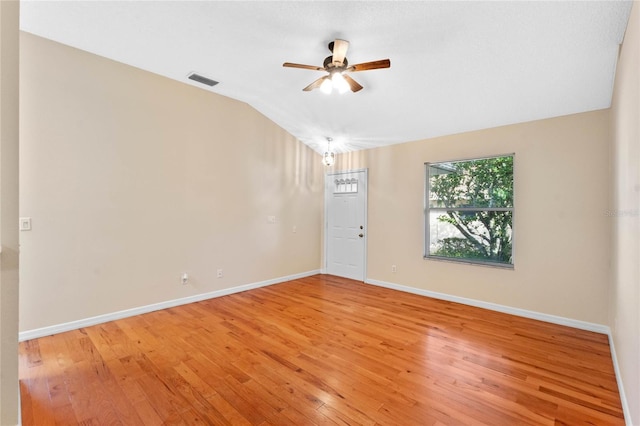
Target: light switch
(271, 219)
(25, 224)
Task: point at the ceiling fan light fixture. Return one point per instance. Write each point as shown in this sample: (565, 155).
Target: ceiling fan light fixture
(327, 86)
(338, 70)
(339, 83)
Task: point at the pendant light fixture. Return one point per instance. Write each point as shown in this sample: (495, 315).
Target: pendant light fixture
(329, 156)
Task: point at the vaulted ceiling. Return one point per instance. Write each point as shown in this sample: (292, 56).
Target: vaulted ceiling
(455, 66)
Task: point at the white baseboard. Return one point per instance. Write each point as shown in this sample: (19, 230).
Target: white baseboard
(74, 325)
(582, 325)
(19, 407)
(616, 368)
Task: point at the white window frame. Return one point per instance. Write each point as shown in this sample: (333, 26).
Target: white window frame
(427, 220)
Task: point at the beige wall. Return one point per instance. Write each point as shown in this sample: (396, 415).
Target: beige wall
(625, 299)
(131, 179)
(561, 229)
(9, 20)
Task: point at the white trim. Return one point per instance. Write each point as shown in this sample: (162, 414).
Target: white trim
(582, 325)
(616, 368)
(19, 408)
(74, 325)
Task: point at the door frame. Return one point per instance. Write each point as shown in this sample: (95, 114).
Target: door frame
(328, 177)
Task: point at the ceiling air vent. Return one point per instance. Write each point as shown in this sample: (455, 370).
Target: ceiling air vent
(200, 79)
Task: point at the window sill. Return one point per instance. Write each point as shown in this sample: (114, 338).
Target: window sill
(471, 262)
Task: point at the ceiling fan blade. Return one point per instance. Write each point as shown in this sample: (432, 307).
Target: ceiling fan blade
(316, 83)
(355, 86)
(339, 52)
(304, 67)
(373, 65)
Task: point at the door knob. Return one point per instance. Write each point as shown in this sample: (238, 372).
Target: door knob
(361, 227)
(360, 235)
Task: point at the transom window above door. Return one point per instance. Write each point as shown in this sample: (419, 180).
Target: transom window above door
(345, 185)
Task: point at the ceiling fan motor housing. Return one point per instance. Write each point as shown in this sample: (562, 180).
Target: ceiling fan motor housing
(328, 63)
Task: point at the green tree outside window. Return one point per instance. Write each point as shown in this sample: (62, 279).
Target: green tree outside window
(470, 210)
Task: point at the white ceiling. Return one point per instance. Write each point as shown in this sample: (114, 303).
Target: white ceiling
(455, 66)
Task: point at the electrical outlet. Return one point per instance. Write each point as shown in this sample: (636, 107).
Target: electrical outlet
(220, 273)
(394, 269)
(184, 279)
(295, 229)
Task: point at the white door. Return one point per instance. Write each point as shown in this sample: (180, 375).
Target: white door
(345, 219)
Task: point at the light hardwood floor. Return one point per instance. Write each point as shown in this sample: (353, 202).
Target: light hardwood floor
(320, 350)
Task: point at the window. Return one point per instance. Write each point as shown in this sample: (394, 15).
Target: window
(469, 211)
(342, 186)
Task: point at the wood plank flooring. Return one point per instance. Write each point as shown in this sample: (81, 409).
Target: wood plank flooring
(320, 351)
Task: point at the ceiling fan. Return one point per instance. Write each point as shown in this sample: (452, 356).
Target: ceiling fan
(338, 68)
